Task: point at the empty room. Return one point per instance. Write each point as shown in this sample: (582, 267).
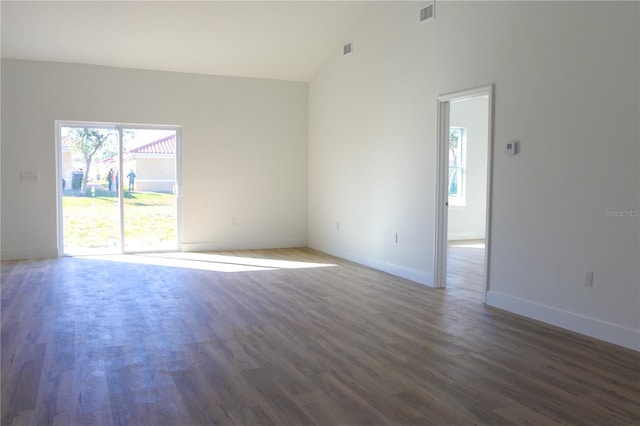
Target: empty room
(320, 212)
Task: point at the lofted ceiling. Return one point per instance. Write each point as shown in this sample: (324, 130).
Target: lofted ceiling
(284, 40)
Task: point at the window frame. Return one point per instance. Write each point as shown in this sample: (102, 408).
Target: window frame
(459, 199)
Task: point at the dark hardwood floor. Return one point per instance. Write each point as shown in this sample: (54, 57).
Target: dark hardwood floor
(232, 338)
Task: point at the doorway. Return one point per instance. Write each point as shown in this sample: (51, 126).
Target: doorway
(463, 191)
(118, 188)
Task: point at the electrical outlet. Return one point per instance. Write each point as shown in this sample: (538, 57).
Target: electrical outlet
(29, 177)
(337, 225)
(234, 221)
(588, 278)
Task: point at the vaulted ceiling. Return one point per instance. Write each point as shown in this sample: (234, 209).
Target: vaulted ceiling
(285, 40)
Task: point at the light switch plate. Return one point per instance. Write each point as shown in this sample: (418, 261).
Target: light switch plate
(29, 177)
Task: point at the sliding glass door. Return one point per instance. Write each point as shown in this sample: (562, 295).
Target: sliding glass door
(118, 188)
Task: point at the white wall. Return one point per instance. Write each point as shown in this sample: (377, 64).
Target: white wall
(468, 222)
(244, 148)
(566, 86)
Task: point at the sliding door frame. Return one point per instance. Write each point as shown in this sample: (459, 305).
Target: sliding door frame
(119, 127)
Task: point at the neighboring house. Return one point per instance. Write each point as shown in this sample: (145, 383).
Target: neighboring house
(153, 164)
(68, 164)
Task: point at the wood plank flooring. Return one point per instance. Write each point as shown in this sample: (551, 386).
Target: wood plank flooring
(465, 269)
(234, 339)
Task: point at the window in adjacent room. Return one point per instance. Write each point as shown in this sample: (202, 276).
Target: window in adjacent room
(457, 161)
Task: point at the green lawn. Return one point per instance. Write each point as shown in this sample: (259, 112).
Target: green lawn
(91, 222)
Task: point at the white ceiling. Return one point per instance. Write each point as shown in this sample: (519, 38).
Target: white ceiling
(284, 40)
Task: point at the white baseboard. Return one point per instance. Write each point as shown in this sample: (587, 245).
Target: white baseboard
(243, 245)
(612, 333)
(415, 275)
(29, 253)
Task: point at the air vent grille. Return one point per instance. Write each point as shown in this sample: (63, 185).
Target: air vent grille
(347, 49)
(427, 12)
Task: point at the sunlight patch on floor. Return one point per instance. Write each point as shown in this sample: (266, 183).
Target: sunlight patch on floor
(209, 261)
(467, 243)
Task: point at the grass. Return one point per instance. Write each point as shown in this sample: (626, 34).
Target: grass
(92, 222)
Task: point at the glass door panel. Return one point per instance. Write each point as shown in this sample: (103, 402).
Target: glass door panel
(149, 190)
(90, 203)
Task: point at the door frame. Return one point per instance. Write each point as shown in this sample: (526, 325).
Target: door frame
(442, 180)
(119, 128)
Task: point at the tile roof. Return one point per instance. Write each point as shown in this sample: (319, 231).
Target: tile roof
(165, 145)
(67, 142)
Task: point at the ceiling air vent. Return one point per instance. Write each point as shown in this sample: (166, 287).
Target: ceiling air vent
(347, 49)
(427, 12)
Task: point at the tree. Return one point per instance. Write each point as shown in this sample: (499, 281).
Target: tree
(454, 140)
(91, 142)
